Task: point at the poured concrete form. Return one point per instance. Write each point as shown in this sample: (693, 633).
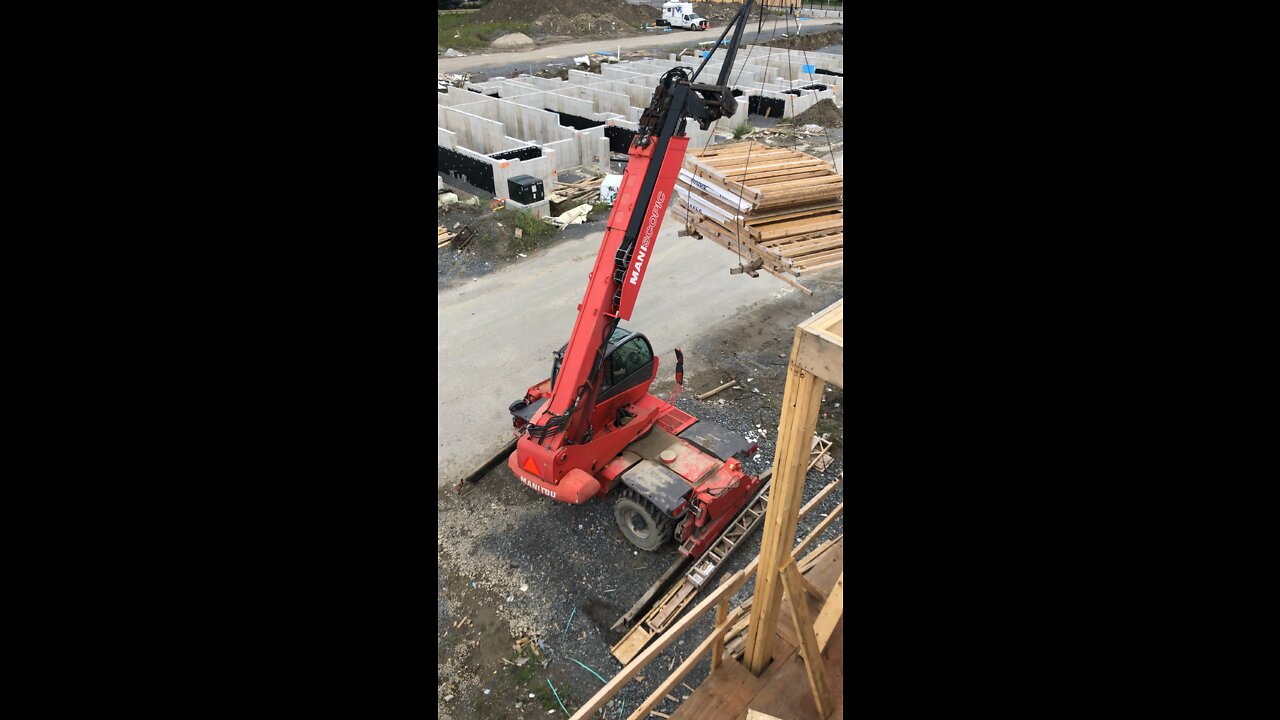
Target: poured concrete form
(536, 126)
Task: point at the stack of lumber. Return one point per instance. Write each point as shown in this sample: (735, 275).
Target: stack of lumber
(781, 209)
(443, 236)
(572, 195)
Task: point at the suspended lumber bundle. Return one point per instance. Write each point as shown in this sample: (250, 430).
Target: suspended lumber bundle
(780, 209)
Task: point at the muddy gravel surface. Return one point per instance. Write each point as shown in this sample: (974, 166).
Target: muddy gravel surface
(513, 564)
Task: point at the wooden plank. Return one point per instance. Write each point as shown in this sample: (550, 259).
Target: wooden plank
(684, 668)
(810, 269)
(722, 614)
(808, 561)
(632, 643)
(832, 611)
(792, 228)
(785, 691)
(816, 257)
(787, 279)
(801, 399)
(806, 248)
(795, 227)
(827, 185)
(819, 351)
(724, 694)
(709, 393)
(822, 573)
(826, 523)
(597, 701)
(812, 590)
(809, 650)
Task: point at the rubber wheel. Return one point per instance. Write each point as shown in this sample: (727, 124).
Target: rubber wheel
(641, 522)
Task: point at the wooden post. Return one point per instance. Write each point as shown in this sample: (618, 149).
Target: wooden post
(801, 399)
(809, 650)
(717, 652)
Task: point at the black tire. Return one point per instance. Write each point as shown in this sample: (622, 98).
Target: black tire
(642, 524)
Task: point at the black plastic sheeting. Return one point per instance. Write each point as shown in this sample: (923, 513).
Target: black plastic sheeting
(814, 87)
(773, 107)
(524, 153)
(476, 172)
(574, 121)
(820, 71)
(619, 138)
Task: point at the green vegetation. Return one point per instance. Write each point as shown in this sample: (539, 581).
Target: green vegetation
(532, 231)
(472, 34)
(742, 130)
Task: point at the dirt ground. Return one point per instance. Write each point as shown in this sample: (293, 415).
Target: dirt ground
(513, 564)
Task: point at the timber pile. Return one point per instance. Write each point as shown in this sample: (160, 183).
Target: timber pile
(443, 236)
(781, 209)
(571, 195)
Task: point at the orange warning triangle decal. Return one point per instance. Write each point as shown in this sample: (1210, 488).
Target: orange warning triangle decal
(531, 466)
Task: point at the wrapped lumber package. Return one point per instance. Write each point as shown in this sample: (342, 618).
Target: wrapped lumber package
(781, 209)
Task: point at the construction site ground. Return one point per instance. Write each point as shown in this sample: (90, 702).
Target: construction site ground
(513, 564)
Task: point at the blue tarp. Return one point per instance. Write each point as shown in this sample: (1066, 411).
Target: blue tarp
(806, 68)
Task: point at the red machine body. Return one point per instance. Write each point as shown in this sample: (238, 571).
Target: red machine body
(593, 424)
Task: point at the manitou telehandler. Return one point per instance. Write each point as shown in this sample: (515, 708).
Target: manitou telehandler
(593, 424)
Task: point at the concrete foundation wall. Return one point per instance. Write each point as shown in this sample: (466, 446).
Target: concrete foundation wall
(543, 168)
(528, 109)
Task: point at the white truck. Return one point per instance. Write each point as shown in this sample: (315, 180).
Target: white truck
(681, 15)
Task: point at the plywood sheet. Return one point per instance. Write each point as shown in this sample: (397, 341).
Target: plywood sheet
(724, 694)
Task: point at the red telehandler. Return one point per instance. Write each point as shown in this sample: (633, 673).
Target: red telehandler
(593, 424)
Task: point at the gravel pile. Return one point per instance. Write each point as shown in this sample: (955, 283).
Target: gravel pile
(823, 113)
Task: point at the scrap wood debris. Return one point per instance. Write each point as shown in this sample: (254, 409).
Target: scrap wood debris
(457, 80)
(572, 194)
(460, 239)
(819, 453)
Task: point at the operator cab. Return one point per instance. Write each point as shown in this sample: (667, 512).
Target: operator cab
(628, 362)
